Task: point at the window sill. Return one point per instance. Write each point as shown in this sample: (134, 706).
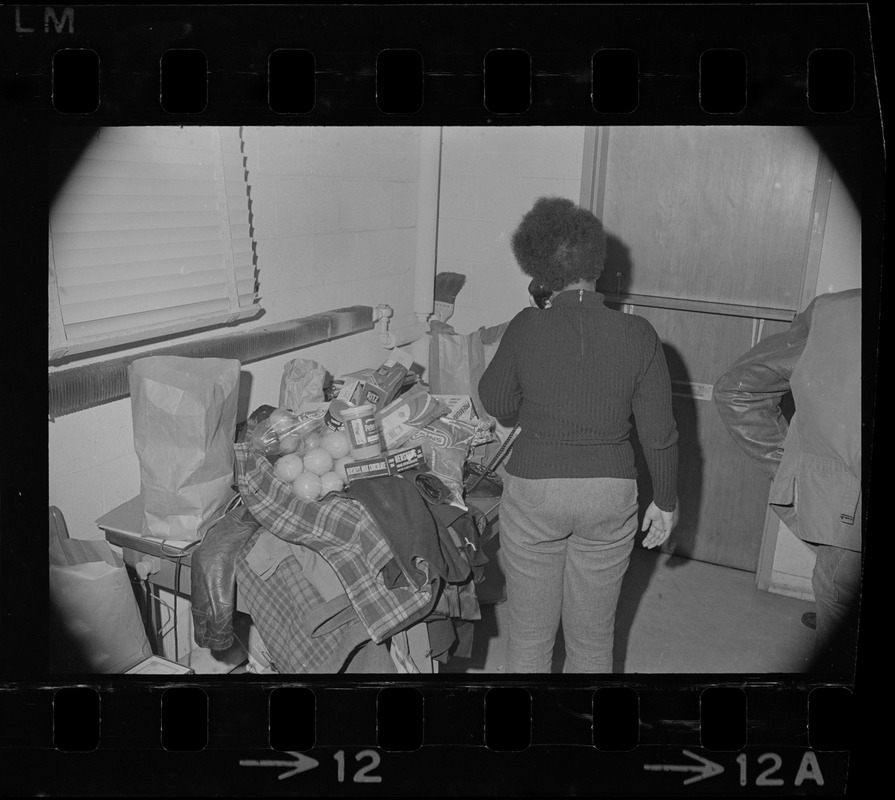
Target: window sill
(78, 388)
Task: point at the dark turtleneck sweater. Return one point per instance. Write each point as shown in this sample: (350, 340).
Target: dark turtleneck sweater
(571, 376)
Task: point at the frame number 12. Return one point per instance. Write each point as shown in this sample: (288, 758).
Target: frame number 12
(364, 772)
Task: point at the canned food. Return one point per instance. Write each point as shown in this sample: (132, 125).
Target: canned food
(363, 433)
(333, 416)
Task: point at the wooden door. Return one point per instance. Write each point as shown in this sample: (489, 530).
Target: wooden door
(710, 230)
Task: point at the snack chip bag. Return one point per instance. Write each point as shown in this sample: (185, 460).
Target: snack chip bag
(410, 412)
(446, 444)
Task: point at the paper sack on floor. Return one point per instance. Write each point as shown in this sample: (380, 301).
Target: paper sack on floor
(95, 623)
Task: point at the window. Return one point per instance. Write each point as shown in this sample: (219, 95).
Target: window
(150, 236)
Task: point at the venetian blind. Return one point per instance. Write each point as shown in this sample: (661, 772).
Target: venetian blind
(150, 236)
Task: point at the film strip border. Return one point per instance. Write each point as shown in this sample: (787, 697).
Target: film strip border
(431, 65)
(420, 64)
(400, 81)
(251, 738)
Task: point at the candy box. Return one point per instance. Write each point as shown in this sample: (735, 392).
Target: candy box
(460, 406)
(385, 465)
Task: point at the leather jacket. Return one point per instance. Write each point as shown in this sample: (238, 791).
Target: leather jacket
(213, 578)
(814, 460)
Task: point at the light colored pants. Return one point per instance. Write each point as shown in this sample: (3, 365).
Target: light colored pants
(565, 546)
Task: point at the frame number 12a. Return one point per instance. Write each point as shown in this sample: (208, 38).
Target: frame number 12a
(770, 763)
(761, 771)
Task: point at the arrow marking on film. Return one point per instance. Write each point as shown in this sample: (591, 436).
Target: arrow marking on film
(302, 763)
(707, 769)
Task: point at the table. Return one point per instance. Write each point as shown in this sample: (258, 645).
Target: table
(157, 559)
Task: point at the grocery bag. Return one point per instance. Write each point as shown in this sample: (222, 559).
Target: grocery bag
(302, 382)
(457, 361)
(184, 413)
(94, 624)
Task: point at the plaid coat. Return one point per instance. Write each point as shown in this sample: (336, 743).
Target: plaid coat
(283, 607)
(344, 533)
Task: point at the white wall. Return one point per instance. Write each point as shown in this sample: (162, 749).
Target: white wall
(840, 257)
(334, 212)
(490, 177)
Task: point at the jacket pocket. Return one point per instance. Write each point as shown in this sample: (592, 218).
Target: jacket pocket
(818, 497)
(834, 492)
(783, 496)
(851, 498)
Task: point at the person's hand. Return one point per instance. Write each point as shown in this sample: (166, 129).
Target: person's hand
(658, 524)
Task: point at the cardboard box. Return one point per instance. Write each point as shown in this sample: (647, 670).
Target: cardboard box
(351, 386)
(156, 665)
(350, 390)
(384, 384)
(376, 396)
(363, 375)
(385, 465)
(460, 406)
(317, 409)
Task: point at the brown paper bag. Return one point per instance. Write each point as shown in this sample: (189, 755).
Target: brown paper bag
(302, 382)
(457, 361)
(184, 412)
(94, 624)
(456, 365)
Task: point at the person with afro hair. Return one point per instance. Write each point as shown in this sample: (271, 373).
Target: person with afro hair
(574, 377)
(559, 243)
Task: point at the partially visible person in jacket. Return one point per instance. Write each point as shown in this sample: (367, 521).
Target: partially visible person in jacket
(571, 374)
(815, 460)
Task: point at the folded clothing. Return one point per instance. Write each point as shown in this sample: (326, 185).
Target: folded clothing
(344, 533)
(269, 551)
(286, 608)
(412, 534)
(450, 638)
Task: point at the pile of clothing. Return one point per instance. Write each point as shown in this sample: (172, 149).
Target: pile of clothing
(331, 585)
